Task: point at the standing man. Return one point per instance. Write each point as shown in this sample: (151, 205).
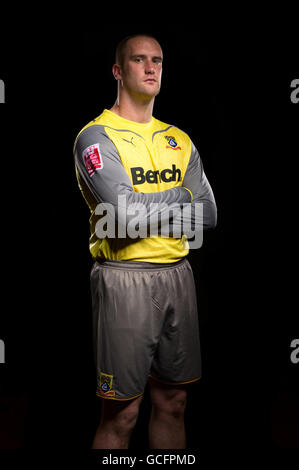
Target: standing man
(145, 320)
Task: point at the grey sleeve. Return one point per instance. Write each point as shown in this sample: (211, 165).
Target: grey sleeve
(107, 180)
(201, 214)
(196, 180)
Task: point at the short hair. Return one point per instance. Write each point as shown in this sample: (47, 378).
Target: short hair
(121, 46)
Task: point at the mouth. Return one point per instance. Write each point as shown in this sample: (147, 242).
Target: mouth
(150, 80)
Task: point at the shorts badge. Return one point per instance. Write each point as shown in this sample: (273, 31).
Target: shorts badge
(172, 143)
(105, 385)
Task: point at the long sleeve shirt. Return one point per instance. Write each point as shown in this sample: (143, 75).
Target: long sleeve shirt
(144, 175)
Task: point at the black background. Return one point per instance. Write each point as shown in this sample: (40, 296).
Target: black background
(228, 87)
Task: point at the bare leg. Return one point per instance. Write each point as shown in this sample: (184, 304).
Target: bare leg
(118, 419)
(167, 427)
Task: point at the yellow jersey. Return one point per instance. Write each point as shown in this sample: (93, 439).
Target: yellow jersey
(152, 164)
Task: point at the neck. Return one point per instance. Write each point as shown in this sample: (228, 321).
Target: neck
(133, 109)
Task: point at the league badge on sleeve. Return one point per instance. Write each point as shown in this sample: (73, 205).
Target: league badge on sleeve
(93, 159)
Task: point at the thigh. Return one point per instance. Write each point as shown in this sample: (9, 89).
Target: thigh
(123, 331)
(178, 356)
(114, 409)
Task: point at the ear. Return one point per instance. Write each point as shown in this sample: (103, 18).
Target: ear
(116, 72)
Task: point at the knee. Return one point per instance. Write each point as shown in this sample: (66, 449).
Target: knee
(122, 417)
(126, 420)
(172, 404)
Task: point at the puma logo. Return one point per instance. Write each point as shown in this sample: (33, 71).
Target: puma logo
(129, 141)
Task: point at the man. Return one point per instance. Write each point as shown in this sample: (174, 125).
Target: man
(143, 293)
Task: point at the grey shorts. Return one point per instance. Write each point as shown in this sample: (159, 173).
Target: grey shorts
(145, 323)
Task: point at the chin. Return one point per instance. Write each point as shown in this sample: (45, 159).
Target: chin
(153, 87)
(151, 93)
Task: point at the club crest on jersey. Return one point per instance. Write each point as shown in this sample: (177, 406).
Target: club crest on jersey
(172, 143)
(92, 158)
(105, 385)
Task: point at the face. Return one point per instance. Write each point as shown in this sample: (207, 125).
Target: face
(142, 67)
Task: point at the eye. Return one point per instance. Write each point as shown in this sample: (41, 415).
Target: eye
(138, 59)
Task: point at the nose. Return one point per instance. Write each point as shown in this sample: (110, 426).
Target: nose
(149, 67)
